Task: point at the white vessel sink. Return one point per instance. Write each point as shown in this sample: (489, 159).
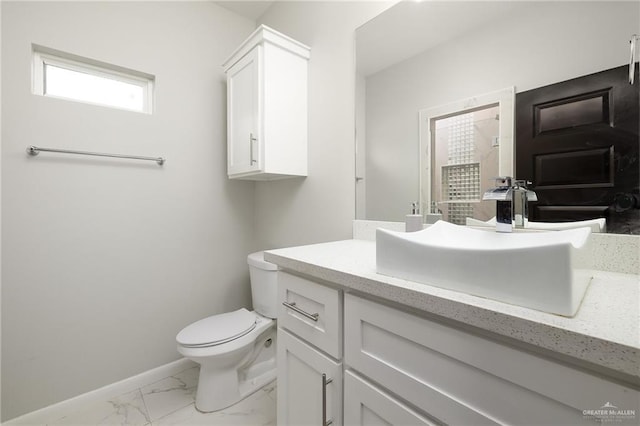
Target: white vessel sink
(596, 225)
(544, 271)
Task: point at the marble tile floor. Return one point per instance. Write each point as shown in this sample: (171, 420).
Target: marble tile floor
(170, 401)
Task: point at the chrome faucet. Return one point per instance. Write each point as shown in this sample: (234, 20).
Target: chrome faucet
(512, 203)
(503, 195)
(520, 207)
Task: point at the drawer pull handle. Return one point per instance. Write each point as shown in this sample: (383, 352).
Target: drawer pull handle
(293, 307)
(325, 382)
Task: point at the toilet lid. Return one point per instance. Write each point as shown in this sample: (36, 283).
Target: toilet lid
(217, 329)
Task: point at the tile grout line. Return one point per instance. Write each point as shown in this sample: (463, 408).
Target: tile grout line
(146, 408)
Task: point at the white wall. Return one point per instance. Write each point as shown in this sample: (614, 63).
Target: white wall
(321, 206)
(553, 42)
(104, 261)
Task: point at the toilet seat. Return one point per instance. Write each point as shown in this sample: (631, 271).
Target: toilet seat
(217, 329)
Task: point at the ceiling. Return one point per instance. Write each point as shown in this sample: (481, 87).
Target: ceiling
(249, 9)
(424, 25)
(412, 27)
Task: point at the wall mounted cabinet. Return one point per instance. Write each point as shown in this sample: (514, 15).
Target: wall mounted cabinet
(267, 107)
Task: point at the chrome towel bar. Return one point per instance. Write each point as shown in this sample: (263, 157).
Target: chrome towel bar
(34, 150)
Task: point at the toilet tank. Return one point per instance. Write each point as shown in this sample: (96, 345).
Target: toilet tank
(264, 285)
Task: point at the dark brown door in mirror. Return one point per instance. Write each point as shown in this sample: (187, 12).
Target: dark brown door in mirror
(578, 142)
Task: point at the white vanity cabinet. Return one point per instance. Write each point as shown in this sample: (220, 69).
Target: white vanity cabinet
(411, 354)
(267, 107)
(452, 376)
(309, 352)
(402, 368)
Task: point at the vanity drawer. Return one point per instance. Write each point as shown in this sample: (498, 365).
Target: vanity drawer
(312, 311)
(459, 377)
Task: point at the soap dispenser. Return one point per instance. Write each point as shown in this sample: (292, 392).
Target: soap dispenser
(413, 221)
(435, 214)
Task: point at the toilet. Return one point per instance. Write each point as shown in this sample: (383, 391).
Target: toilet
(236, 350)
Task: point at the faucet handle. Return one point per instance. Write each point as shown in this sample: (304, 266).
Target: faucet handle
(521, 183)
(502, 181)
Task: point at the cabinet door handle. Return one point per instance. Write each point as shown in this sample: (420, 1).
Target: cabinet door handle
(293, 307)
(252, 139)
(325, 382)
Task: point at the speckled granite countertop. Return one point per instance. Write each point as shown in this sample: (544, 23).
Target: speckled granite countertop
(604, 333)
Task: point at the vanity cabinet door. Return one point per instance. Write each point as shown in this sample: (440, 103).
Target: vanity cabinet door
(366, 405)
(301, 384)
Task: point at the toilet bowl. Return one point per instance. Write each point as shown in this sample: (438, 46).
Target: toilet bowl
(236, 350)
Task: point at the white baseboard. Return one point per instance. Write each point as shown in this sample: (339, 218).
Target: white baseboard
(62, 408)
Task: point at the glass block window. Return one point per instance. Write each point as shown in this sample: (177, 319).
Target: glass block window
(458, 212)
(460, 176)
(461, 182)
(461, 148)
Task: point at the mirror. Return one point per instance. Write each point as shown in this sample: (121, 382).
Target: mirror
(417, 56)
